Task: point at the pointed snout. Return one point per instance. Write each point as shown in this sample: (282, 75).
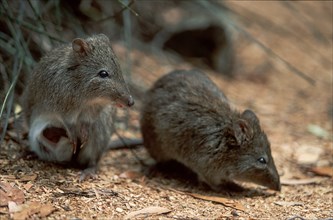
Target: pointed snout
(125, 100)
(273, 179)
(275, 186)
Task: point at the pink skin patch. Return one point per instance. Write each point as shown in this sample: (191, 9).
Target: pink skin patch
(119, 104)
(53, 134)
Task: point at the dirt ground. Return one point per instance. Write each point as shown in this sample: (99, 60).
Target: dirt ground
(295, 113)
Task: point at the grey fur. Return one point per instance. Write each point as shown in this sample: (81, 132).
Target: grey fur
(66, 92)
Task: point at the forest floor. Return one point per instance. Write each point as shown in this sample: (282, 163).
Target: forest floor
(296, 115)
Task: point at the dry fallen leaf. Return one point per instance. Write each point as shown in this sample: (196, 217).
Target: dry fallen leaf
(13, 207)
(23, 214)
(120, 210)
(10, 193)
(153, 210)
(130, 175)
(27, 178)
(323, 171)
(284, 203)
(28, 186)
(46, 210)
(300, 181)
(25, 211)
(223, 201)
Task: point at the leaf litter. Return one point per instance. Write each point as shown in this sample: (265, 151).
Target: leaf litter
(10, 193)
(30, 209)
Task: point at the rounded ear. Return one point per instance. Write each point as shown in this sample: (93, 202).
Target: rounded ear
(249, 115)
(242, 131)
(80, 46)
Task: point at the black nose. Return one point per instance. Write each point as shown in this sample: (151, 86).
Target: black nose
(130, 101)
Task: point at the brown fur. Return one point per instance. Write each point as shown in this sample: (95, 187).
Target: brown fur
(188, 119)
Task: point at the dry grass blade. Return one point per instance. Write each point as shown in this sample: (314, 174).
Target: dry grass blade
(153, 210)
(127, 6)
(284, 203)
(8, 101)
(301, 181)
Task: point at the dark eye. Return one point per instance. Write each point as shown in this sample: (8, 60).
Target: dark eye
(103, 73)
(262, 160)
